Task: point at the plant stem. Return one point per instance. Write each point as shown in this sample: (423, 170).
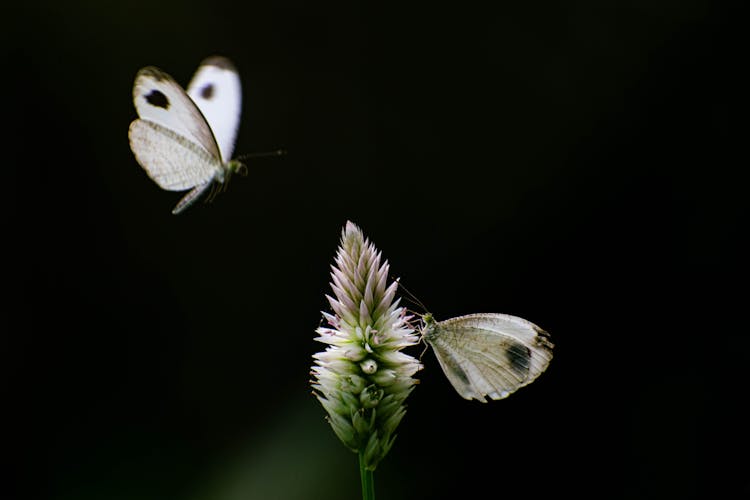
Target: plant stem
(368, 484)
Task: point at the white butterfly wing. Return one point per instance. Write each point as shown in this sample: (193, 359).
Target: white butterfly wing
(489, 355)
(161, 100)
(216, 90)
(171, 160)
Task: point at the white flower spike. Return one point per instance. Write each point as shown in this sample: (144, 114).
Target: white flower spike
(362, 379)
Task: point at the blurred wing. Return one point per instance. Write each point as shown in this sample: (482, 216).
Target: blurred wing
(190, 198)
(216, 90)
(160, 100)
(174, 162)
(490, 355)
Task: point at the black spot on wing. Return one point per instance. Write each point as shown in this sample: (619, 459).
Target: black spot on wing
(519, 357)
(158, 99)
(207, 92)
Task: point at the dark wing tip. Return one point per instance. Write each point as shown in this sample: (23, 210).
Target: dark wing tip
(543, 339)
(219, 62)
(153, 72)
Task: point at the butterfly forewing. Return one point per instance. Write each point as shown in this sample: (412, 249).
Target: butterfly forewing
(489, 355)
(479, 370)
(161, 100)
(216, 90)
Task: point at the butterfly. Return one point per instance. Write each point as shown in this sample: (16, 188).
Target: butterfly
(488, 355)
(184, 140)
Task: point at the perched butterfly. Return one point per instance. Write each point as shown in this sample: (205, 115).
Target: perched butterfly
(184, 140)
(488, 355)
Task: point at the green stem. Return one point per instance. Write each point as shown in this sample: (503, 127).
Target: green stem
(368, 484)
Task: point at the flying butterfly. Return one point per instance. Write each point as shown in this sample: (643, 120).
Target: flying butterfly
(184, 140)
(488, 355)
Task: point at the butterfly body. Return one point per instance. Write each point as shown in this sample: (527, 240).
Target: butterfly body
(185, 139)
(488, 355)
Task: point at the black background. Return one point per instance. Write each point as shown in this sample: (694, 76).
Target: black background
(573, 163)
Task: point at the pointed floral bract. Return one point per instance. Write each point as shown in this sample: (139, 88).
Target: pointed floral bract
(361, 378)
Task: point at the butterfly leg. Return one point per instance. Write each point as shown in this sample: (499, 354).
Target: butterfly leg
(426, 346)
(215, 189)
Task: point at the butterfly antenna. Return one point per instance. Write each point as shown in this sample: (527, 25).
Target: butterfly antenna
(411, 298)
(278, 152)
(419, 327)
(408, 298)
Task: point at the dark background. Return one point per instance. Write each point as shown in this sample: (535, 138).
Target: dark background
(573, 163)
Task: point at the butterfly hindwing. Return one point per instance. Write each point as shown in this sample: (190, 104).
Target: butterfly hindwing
(455, 367)
(171, 160)
(216, 90)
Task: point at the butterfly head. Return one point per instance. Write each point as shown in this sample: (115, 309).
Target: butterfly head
(230, 168)
(428, 325)
(236, 167)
